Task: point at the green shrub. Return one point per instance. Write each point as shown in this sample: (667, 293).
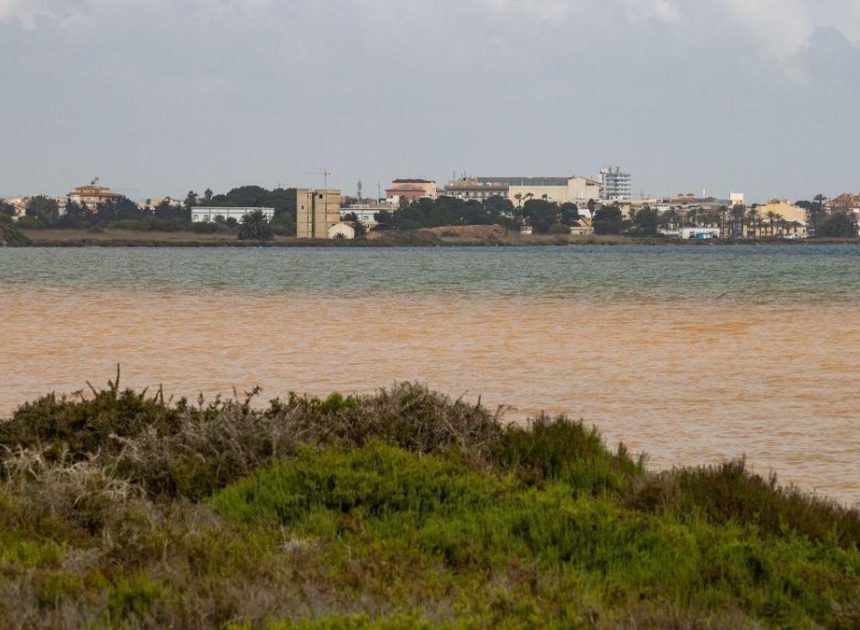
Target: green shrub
(730, 493)
(29, 223)
(132, 598)
(357, 622)
(204, 228)
(11, 237)
(433, 510)
(82, 428)
(562, 450)
(400, 508)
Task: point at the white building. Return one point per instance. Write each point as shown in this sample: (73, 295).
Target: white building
(201, 214)
(519, 190)
(20, 205)
(616, 184)
(366, 212)
(699, 233)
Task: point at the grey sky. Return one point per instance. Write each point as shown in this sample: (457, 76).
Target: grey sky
(159, 97)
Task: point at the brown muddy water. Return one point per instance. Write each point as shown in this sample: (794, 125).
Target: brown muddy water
(686, 380)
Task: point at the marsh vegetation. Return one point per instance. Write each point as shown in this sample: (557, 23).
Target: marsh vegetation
(400, 509)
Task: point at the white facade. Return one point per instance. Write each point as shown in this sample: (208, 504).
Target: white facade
(20, 205)
(576, 189)
(208, 215)
(616, 184)
(699, 233)
(366, 213)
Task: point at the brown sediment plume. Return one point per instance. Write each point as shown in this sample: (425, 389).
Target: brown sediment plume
(687, 382)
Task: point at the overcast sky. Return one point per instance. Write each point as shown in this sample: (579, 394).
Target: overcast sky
(161, 96)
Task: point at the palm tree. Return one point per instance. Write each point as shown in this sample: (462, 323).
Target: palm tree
(738, 220)
(255, 227)
(519, 198)
(752, 221)
(670, 218)
(772, 218)
(693, 216)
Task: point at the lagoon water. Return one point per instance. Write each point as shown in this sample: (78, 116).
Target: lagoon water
(691, 354)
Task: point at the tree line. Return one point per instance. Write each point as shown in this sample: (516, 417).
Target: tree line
(542, 215)
(122, 213)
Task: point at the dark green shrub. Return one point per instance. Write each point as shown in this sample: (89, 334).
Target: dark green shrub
(11, 237)
(88, 426)
(729, 493)
(29, 223)
(132, 598)
(204, 228)
(562, 450)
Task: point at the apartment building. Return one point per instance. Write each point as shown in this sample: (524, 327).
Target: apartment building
(616, 184)
(579, 190)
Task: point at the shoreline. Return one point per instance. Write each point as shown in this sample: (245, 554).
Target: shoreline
(485, 236)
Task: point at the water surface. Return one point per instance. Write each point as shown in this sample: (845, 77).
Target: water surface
(692, 354)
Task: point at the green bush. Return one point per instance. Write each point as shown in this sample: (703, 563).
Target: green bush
(561, 450)
(204, 228)
(11, 237)
(383, 498)
(132, 598)
(399, 508)
(729, 493)
(29, 223)
(80, 429)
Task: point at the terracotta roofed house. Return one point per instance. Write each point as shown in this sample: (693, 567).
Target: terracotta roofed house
(409, 190)
(93, 195)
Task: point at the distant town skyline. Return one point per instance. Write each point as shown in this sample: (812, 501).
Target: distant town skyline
(157, 98)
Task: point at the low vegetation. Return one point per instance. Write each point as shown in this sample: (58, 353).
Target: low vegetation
(397, 510)
(11, 237)
(168, 216)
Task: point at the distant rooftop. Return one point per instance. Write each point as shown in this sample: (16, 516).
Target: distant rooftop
(542, 180)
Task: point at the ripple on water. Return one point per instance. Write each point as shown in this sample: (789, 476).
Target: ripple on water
(660, 350)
